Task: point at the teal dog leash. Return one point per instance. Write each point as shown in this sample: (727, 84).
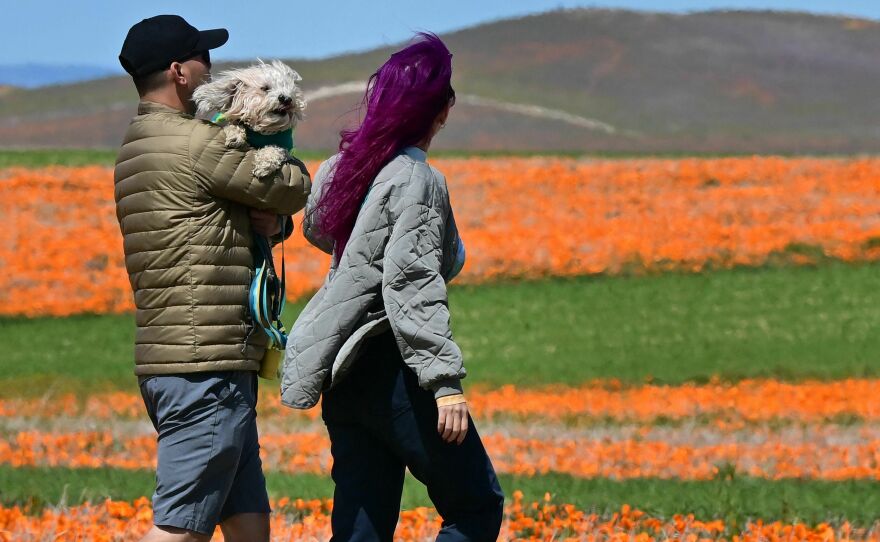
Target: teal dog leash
(266, 298)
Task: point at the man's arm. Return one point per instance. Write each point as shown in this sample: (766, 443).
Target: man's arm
(274, 227)
(285, 233)
(228, 174)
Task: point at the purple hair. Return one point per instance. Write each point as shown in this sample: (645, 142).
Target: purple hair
(402, 100)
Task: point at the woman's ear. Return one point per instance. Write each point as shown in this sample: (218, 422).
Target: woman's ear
(440, 121)
(216, 96)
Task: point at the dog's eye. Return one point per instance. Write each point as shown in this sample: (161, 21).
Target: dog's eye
(266, 88)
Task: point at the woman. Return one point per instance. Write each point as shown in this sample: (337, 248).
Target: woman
(376, 339)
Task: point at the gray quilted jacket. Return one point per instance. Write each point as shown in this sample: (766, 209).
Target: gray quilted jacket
(392, 273)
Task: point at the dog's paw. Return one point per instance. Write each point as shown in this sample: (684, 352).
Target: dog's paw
(268, 160)
(236, 137)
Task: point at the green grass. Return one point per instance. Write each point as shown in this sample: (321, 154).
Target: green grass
(790, 323)
(56, 157)
(734, 500)
(106, 157)
(84, 157)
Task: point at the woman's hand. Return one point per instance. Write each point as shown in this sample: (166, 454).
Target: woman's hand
(452, 418)
(265, 223)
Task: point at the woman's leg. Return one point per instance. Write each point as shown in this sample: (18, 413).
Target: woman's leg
(460, 478)
(462, 485)
(369, 482)
(368, 475)
(379, 420)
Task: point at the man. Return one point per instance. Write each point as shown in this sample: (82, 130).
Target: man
(188, 208)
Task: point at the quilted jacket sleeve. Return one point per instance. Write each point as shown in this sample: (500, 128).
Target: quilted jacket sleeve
(228, 174)
(416, 302)
(310, 221)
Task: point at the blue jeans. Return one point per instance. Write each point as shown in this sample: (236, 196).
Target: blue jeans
(380, 423)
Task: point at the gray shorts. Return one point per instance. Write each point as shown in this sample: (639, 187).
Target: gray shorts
(209, 464)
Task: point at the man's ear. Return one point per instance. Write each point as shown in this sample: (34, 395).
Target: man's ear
(216, 96)
(177, 73)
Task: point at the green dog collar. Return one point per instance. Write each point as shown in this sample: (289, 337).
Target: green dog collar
(281, 139)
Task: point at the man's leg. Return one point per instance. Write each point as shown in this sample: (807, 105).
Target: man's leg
(245, 515)
(246, 527)
(171, 534)
(201, 420)
(165, 534)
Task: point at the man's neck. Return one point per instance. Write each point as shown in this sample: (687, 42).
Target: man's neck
(169, 99)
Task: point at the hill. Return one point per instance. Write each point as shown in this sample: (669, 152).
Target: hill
(578, 80)
(38, 75)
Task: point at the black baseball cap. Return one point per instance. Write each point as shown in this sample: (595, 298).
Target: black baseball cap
(153, 44)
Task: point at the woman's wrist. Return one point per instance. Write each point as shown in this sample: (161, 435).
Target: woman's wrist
(450, 400)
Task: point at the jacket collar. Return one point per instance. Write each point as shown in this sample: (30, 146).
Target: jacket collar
(416, 154)
(145, 108)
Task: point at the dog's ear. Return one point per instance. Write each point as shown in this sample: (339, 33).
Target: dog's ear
(216, 96)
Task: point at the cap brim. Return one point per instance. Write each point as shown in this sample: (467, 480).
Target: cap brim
(211, 39)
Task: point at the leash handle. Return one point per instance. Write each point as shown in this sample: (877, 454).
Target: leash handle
(283, 274)
(283, 293)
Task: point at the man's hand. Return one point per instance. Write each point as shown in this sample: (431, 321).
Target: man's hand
(452, 419)
(265, 223)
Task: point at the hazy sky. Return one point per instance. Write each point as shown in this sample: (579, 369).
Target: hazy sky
(91, 32)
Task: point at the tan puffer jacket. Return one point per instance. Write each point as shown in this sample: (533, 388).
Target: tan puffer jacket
(182, 201)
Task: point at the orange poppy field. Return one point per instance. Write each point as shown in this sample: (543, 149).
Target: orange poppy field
(120, 521)
(61, 250)
(807, 448)
(731, 404)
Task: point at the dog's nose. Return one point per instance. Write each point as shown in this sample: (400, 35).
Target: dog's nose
(286, 100)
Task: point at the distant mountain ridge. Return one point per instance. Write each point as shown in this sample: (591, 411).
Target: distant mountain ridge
(34, 75)
(575, 80)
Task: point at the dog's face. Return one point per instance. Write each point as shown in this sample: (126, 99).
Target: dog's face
(264, 97)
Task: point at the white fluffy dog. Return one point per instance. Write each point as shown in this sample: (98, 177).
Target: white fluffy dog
(263, 98)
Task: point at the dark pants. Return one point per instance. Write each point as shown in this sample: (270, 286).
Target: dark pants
(380, 422)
